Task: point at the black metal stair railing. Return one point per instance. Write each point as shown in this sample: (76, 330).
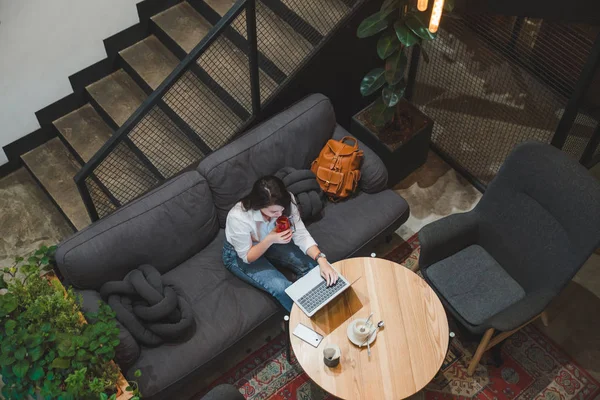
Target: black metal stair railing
(210, 97)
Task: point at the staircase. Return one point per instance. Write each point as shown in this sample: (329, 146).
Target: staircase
(185, 90)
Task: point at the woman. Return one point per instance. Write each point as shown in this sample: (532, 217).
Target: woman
(253, 248)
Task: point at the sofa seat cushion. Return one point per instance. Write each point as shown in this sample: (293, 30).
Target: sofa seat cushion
(225, 309)
(474, 284)
(349, 225)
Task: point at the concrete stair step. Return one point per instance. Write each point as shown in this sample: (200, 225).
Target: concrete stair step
(54, 167)
(159, 139)
(220, 6)
(118, 95)
(183, 24)
(86, 132)
(151, 60)
(321, 14)
(277, 40)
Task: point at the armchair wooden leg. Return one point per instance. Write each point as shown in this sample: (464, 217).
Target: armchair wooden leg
(544, 318)
(483, 345)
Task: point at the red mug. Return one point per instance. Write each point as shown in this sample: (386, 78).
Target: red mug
(282, 224)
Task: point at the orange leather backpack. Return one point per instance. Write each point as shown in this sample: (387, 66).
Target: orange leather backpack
(338, 168)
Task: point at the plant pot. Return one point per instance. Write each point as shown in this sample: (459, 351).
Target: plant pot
(403, 146)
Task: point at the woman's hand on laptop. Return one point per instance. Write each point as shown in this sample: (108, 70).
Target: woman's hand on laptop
(327, 272)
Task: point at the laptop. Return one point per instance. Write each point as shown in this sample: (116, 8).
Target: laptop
(311, 293)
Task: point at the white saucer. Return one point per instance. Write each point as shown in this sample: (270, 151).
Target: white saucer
(353, 338)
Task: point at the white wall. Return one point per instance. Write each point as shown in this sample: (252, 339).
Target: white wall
(42, 42)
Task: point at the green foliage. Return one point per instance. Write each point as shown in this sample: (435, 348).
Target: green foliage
(387, 45)
(394, 68)
(372, 25)
(391, 95)
(403, 26)
(381, 113)
(372, 81)
(405, 36)
(46, 349)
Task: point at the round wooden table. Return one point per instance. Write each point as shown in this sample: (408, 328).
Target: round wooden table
(407, 352)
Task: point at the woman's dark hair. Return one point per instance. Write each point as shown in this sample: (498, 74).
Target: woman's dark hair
(268, 191)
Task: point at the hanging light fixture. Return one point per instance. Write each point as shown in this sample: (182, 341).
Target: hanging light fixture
(436, 15)
(422, 5)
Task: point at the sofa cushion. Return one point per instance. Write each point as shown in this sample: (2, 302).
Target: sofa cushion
(225, 309)
(162, 228)
(349, 225)
(292, 138)
(474, 284)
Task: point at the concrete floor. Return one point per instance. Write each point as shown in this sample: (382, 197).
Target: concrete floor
(28, 219)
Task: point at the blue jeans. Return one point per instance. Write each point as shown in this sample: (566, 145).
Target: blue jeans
(263, 273)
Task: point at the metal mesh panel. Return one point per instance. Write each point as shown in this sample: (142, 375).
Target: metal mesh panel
(163, 143)
(580, 134)
(278, 41)
(124, 175)
(202, 110)
(205, 101)
(103, 204)
(488, 88)
(322, 15)
(228, 65)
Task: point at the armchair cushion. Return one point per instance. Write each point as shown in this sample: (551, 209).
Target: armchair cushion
(474, 284)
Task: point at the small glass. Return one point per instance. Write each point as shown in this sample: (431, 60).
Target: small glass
(282, 224)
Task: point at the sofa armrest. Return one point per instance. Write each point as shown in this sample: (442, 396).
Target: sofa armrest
(447, 236)
(223, 392)
(128, 350)
(373, 173)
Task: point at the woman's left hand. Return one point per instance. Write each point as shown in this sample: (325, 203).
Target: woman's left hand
(327, 272)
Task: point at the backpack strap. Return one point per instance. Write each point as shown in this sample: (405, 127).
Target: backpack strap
(350, 139)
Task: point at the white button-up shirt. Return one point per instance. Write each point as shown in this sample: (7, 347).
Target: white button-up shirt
(243, 229)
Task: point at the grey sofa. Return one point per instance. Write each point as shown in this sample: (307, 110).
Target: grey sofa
(498, 266)
(178, 228)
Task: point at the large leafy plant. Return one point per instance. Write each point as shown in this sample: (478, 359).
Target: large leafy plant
(46, 348)
(401, 26)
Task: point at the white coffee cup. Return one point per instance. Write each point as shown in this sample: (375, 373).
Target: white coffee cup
(361, 330)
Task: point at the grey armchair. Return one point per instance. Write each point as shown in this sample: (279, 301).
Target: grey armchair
(497, 267)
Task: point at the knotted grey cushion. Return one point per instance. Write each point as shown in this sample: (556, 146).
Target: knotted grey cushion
(152, 312)
(302, 183)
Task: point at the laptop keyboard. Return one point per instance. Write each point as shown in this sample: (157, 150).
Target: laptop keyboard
(320, 294)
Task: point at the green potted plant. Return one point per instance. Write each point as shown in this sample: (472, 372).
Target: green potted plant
(48, 350)
(395, 129)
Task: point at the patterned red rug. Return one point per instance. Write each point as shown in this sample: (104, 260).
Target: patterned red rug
(533, 368)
